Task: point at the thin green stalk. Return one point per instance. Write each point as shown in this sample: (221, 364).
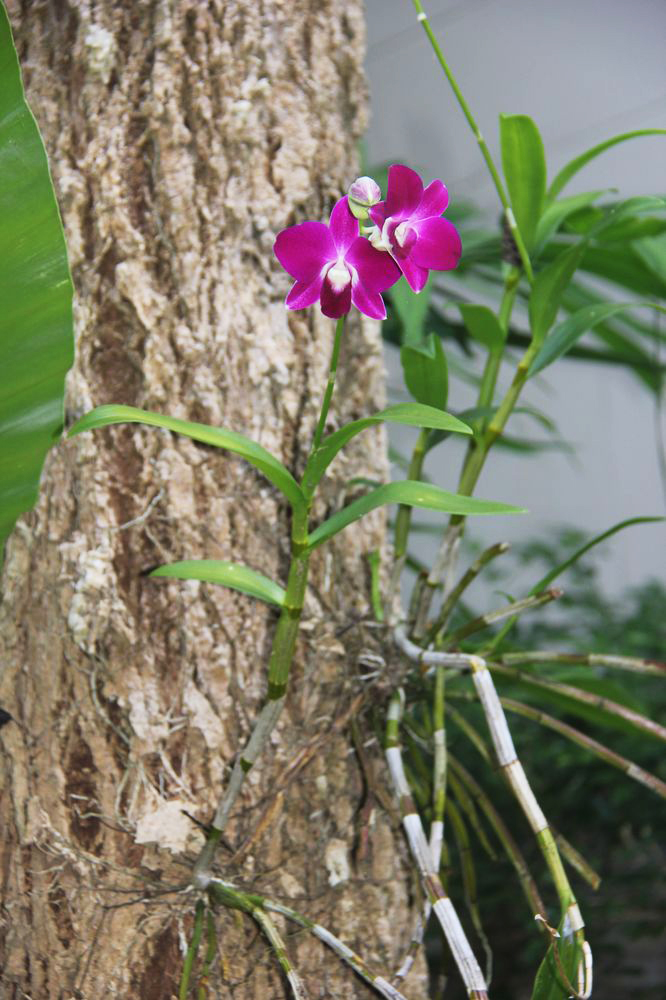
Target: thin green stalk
(404, 517)
(330, 385)
(468, 577)
(636, 719)
(513, 852)
(485, 152)
(461, 838)
(492, 617)
(282, 649)
(631, 663)
(211, 951)
(494, 359)
(192, 950)
(443, 567)
(628, 767)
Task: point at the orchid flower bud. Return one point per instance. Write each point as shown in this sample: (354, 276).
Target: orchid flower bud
(363, 194)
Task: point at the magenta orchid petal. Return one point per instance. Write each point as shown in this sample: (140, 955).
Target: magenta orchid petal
(334, 303)
(368, 302)
(304, 249)
(305, 293)
(438, 246)
(405, 190)
(435, 200)
(377, 271)
(343, 226)
(416, 276)
(378, 214)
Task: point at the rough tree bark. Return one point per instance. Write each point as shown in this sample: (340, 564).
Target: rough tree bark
(183, 136)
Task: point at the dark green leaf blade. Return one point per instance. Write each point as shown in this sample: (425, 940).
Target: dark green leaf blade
(524, 164)
(426, 373)
(410, 414)
(569, 332)
(229, 574)
(548, 289)
(274, 470)
(557, 212)
(412, 309)
(36, 329)
(548, 984)
(572, 168)
(483, 326)
(413, 494)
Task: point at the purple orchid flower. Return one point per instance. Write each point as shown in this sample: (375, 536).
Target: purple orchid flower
(332, 264)
(409, 226)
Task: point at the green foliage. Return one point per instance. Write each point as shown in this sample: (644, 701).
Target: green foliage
(524, 164)
(229, 574)
(412, 494)
(408, 414)
(36, 332)
(425, 372)
(218, 437)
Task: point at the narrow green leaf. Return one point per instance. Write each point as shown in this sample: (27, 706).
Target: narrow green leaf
(620, 526)
(252, 452)
(412, 309)
(652, 251)
(557, 212)
(36, 330)
(483, 326)
(229, 574)
(411, 414)
(547, 290)
(553, 574)
(524, 164)
(567, 333)
(413, 494)
(425, 372)
(572, 168)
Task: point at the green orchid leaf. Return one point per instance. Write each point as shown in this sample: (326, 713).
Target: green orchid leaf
(548, 983)
(229, 574)
(412, 309)
(567, 333)
(425, 372)
(36, 329)
(524, 164)
(410, 414)
(218, 437)
(483, 326)
(572, 168)
(562, 567)
(558, 212)
(652, 251)
(546, 580)
(413, 494)
(547, 291)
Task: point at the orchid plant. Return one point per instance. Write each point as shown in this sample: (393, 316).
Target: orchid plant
(369, 244)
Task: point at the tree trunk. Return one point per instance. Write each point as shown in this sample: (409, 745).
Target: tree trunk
(182, 137)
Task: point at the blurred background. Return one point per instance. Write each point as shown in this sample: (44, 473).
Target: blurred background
(584, 72)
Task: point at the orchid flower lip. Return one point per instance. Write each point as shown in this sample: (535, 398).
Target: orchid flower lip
(338, 274)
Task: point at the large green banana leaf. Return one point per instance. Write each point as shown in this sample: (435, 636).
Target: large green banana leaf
(36, 334)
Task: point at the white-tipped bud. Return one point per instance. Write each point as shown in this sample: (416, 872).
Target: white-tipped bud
(363, 194)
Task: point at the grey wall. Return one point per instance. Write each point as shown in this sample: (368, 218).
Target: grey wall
(584, 71)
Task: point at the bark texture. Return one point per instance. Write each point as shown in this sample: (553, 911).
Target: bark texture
(183, 136)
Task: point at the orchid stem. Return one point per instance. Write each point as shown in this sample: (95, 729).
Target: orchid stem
(485, 152)
(282, 650)
(330, 385)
